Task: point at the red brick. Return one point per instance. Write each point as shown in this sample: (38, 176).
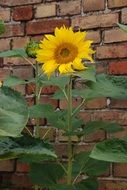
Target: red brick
(4, 44)
(117, 3)
(7, 166)
(45, 10)
(124, 16)
(22, 13)
(112, 116)
(17, 61)
(114, 35)
(86, 116)
(118, 103)
(75, 103)
(95, 137)
(23, 72)
(93, 35)
(47, 133)
(97, 103)
(111, 51)
(4, 73)
(113, 185)
(17, 2)
(48, 100)
(13, 30)
(95, 21)
(5, 14)
(30, 89)
(93, 5)
(20, 42)
(69, 7)
(45, 26)
(119, 67)
(22, 167)
(20, 180)
(120, 170)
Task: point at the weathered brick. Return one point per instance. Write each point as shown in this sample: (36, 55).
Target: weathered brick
(63, 138)
(95, 21)
(124, 16)
(71, 7)
(95, 137)
(45, 10)
(93, 35)
(97, 103)
(22, 167)
(20, 42)
(111, 51)
(22, 13)
(5, 14)
(114, 35)
(47, 133)
(4, 44)
(75, 103)
(23, 72)
(49, 100)
(118, 103)
(17, 61)
(120, 170)
(13, 30)
(45, 26)
(119, 67)
(112, 116)
(93, 5)
(17, 2)
(20, 180)
(4, 73)
(7, 166)
(86, 116)
(113, 185)
(117, 3)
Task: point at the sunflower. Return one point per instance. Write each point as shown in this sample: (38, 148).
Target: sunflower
(64, 51)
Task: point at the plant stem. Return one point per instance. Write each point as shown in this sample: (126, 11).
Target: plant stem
(37, 98)
(70, 154)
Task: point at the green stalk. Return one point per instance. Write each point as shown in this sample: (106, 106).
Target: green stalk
(37, 101)
(37, 98)
(70, 153)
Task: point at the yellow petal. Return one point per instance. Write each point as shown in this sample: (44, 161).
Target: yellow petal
(78, 65)
(49, 67)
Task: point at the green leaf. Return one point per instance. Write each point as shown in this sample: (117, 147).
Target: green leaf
(123, 27)
(89, 166)
(58, 119)
(46, 174)
(13, 112)
(109, 127)
(14, 53)
(2, 27)
(88, 74)
(103, 87)
(40, 110)
(13, 81)
(60, 81)
(112, 150)
(26, 148)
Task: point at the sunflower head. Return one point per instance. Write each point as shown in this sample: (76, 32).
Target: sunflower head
(32, 48)
(64, 51)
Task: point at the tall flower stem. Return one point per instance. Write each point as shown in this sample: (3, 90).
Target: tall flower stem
(70, 153)
(37, 98)
(37, 101)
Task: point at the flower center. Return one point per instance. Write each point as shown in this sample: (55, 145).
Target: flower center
(65, 53)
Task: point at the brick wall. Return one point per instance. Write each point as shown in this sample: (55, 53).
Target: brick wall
(31, 19)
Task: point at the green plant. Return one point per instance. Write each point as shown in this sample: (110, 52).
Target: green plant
(79, 171)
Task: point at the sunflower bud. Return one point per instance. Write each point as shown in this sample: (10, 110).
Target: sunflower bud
(31, 48)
